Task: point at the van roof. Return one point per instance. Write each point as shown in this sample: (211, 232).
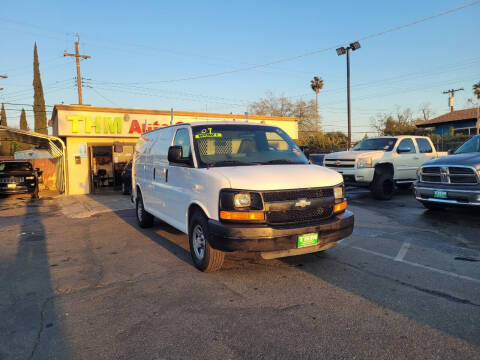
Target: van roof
(213, 122)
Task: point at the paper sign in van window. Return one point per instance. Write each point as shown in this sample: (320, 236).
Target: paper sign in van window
(207, 133)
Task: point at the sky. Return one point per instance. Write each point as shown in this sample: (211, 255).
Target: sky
(201, 55)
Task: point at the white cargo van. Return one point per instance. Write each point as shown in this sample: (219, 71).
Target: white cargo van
(237, 186)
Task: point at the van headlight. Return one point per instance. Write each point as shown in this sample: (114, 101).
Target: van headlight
(29, 177)
(339, 193)
(242, 200)
(364, 163)
(246, 206)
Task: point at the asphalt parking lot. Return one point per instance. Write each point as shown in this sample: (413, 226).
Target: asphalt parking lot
(79, 279)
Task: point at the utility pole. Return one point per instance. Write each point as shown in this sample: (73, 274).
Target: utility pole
(451, 98)
(3, 77)
(77, 60)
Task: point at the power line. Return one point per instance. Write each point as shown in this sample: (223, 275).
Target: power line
(310, 53)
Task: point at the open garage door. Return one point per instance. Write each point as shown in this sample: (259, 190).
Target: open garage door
(52, 144)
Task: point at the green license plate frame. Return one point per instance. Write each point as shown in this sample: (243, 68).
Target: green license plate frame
(307, 240)
(440, 194)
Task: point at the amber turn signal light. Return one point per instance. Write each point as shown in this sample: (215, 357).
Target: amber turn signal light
(340, 207)
(242, 215)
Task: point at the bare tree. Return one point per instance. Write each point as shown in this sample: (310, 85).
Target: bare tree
(304, 111)
(426, 111)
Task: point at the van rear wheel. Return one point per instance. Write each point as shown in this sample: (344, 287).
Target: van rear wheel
(144, 218)
(205, 258)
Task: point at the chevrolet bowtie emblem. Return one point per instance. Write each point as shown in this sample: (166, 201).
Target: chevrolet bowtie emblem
(338, 162)
(302, 203)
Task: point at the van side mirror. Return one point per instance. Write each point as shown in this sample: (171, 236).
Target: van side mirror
(175, 155)
(450, 151)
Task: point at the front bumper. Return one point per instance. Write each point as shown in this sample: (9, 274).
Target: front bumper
(354, 176)
(264, 238)
(19, 189)
(465, 196)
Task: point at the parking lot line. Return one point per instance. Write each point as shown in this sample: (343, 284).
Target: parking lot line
(443, 272)
(402, 252)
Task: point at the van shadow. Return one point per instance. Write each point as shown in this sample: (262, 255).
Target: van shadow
(31, 327)
(164, 235)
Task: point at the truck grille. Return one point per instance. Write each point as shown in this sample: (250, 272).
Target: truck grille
(344, 163)
(299, 216)
(11, 180)
(449, 175)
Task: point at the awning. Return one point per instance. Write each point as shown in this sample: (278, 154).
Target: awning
(54, 145)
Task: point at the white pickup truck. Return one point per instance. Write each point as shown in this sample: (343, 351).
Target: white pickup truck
(382, 163)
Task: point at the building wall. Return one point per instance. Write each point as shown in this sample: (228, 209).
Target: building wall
(441, 129)
(78, 174)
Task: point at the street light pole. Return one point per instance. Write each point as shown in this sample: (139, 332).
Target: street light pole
(341, 51)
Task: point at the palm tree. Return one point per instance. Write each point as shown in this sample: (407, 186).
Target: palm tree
(316, 84)
(476, 90)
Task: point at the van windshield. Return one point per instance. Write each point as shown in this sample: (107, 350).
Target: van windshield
(233, 145)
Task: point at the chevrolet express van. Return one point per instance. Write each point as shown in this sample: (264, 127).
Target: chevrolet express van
(237, 186)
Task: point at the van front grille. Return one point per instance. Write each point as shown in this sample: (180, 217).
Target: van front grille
(303, 216)
(291, 195)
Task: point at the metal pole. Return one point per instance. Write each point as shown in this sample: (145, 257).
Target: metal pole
(349, 141)
(79, 78)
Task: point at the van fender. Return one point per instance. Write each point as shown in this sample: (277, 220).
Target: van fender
(192, 206)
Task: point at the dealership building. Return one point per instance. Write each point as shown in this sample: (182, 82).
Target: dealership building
(99, 141)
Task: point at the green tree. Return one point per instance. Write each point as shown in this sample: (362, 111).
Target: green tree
(23, 121)
(4, 145)
(476, 90)
(39, 113)
(316, 84)
(398, 123)
(24, 126)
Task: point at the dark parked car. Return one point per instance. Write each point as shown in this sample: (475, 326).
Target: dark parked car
(127, 178)
(451, 180)
(18, 177)
(317, 159)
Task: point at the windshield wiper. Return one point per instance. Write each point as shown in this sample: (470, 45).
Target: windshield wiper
(280, 161)
(230, 162)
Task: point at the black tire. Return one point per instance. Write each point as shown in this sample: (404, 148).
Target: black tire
(433, 206)
(125, 189)
(383, 186)
(144, 218)
(205, 258)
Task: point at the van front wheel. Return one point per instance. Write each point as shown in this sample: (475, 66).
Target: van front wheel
(205, 258)
(144, 218)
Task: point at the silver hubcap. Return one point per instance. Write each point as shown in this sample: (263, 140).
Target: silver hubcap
(139, 210)
(198, 242)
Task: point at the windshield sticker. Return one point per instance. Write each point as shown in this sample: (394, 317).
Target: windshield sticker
(207, 133)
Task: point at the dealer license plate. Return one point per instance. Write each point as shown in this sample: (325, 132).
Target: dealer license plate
(307, 240)
(440, 194)
(11, 186)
